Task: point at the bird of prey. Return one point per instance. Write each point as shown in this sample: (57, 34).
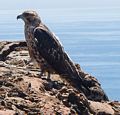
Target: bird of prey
(45, 49)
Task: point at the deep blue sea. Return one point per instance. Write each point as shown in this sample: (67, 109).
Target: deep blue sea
(90, 36)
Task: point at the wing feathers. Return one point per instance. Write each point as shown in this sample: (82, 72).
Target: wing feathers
(51, 50)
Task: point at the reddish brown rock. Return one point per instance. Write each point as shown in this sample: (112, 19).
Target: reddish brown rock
(23, 90)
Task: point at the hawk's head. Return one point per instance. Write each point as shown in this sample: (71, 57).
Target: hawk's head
(30, 17)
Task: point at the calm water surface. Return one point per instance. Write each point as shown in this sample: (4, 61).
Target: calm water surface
(90, 36)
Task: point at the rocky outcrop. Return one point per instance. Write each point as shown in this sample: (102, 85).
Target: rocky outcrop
(24, 91)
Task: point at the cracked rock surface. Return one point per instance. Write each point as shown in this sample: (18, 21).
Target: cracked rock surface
(23, 91)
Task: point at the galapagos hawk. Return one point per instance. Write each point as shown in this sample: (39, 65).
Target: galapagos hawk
(46, 50)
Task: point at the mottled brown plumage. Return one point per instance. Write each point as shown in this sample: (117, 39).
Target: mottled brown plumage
(45, 49)
(30, 25)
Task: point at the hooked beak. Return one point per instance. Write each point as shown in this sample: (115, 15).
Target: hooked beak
(20, 17)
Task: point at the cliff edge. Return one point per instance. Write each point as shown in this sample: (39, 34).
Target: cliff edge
(24, 91)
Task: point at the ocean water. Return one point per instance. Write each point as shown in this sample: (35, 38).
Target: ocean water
(90, 36)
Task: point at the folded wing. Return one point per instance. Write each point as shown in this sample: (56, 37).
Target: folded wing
(51, 50)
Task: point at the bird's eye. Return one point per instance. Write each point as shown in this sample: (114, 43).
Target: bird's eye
(26, 14)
